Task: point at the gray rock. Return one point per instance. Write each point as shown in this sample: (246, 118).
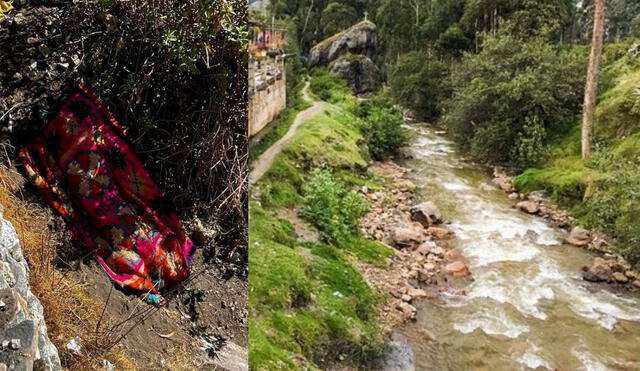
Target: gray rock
(23, 328)
(350, 55)
(360, 39)
(426, 213)
(359, 71)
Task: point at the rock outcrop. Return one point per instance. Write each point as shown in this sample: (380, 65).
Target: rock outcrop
(24, 343)
(349, 55)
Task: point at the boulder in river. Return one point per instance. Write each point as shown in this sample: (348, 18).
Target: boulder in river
(530, 207)
(579, 237)
(457, 268)
(599, 271)
(427, 214)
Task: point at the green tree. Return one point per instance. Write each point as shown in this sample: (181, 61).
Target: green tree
(512, 94)
(420, 83)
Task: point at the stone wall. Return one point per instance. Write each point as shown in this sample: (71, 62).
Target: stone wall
(24, 343)
(266, 101)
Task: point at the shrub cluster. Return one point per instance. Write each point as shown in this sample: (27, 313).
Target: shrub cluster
(333, 209)
(509, 97)
(382, 127)
(328, 87)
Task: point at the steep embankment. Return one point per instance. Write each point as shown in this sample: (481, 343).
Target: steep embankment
(601, 192)
(309, 306)
(324, 292)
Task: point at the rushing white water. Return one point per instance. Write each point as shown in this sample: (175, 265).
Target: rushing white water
(528, 307)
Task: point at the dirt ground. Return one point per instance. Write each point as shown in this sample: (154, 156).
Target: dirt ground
(205, 323)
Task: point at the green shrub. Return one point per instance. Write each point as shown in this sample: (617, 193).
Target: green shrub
(511, 96)
(333, 209)
(328, 87)
(384, 133)
(382, 126)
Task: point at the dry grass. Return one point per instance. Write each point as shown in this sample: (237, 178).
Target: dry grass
(68, 310)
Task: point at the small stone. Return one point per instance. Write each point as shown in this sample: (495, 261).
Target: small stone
(15, 344)
(44, 50)
(32, 40)
(513, 196)
(579, 237)
(3, 305)
(457, 268)
(530, 207)
(636, 283)
(440, 233)
(620, 277)
(406, 298)
(417, 293)
(633, 275)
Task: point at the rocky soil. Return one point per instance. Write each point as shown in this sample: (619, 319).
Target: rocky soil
(24, 342)
(609, 267)
(424, 265)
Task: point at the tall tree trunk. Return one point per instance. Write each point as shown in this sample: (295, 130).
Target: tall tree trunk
(591, 88)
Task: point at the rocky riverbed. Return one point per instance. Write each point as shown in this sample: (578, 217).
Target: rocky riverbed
(609, 267)
(424, 264)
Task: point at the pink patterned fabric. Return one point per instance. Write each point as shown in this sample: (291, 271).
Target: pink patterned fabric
(84, 168)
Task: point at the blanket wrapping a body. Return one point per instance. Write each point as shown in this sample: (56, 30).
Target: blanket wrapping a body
(85, 169)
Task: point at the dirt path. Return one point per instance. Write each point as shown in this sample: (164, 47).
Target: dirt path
(264, 162)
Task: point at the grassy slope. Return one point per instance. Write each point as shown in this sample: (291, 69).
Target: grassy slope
(279, 127)
(602, 192)
(308, 304)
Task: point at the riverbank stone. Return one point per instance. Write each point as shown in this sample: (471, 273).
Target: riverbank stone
(529, 207)
(599, 271)
(427, 214)
(579, 237)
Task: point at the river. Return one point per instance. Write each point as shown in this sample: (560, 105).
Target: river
(527, 306)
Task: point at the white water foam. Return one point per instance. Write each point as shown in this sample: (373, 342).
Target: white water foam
(492, 322)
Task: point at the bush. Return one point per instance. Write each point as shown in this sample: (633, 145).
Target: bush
(334, 210)
(328, 87)
(382, 126)
(511, 96)
(384, 133)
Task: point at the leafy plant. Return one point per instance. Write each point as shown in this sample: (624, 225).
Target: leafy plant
(328, 87)
(333, 209)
